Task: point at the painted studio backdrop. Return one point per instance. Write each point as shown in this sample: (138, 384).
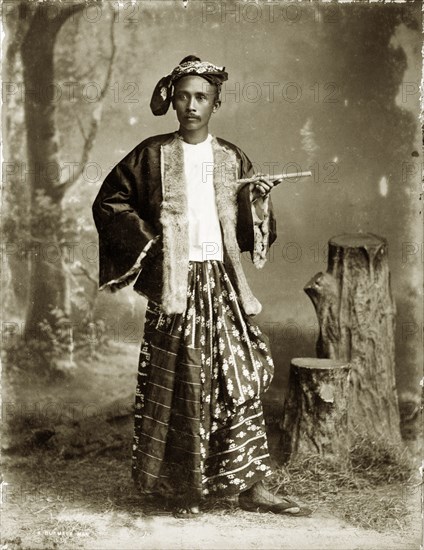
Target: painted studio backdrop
(329, 88)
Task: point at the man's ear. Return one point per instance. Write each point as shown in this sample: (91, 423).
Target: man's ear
(217, 105)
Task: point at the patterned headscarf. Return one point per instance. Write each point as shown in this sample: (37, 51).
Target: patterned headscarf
(162, 94)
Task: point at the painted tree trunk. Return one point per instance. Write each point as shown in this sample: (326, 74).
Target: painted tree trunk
(49, 281)
(16, 196)
(49, 278)
(356, 316)
(315, 412)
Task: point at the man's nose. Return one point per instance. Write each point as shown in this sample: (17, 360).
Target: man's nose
(191, 105)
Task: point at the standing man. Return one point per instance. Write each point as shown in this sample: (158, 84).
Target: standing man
(171, 217)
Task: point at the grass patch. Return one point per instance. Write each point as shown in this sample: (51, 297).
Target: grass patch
(380, 462)
(365, 509)
(353, 492)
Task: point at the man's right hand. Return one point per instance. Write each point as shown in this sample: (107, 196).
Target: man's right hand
(263, 185)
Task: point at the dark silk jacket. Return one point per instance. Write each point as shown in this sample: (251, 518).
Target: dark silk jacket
(143, 198)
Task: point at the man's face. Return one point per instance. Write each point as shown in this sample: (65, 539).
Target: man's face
(194, 102)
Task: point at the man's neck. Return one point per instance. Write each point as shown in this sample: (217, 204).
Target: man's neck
(195, 136)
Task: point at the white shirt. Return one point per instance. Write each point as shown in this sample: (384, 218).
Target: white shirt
(205, 239)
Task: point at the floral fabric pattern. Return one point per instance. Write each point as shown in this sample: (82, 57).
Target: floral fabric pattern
(199, 426)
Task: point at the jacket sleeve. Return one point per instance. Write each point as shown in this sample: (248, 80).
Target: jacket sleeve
(125, 238)
(256, 224)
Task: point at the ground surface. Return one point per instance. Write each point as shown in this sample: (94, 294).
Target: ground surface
(75, 491)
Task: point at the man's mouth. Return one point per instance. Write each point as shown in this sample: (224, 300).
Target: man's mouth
(192, 117)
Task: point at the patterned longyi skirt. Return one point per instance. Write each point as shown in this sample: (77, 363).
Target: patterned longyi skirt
(199, 426)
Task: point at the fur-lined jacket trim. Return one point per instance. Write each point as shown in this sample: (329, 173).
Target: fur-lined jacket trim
(141, 216)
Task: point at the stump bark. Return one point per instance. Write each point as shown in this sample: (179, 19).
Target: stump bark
(356, 316)
(315, 418)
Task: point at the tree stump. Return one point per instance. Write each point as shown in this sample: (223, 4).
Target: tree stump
(356, 315)
(315, 418)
